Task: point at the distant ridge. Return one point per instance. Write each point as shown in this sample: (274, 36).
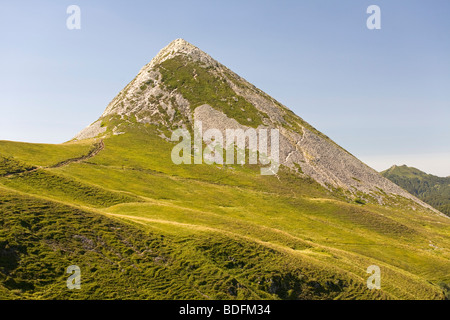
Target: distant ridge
(429, 188)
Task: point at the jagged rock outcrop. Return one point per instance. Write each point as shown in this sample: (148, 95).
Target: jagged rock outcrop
(182, 84)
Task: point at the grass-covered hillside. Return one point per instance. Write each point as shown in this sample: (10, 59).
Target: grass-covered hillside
(431, 189)
(139, 226)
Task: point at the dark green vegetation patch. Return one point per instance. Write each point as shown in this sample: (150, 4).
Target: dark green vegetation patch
(46, 183)
(429, 188)
(8, 166)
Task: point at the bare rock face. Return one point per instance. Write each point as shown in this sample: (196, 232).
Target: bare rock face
(175, 103)
(91, 131)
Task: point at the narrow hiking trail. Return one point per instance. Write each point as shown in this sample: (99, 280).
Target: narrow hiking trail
(97, 148)
(92, 153)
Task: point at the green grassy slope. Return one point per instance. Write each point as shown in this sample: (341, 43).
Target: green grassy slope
(141, 227)
(429, 188)
(41, 154)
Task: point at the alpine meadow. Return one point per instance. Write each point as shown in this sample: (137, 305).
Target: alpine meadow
(112, 202)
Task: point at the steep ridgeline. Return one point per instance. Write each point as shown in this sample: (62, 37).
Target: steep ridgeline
(183, 84)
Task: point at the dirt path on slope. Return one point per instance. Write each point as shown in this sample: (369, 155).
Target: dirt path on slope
(97, 148)
(92, 153)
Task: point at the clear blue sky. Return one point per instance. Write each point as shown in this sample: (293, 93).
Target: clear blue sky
(384, 95)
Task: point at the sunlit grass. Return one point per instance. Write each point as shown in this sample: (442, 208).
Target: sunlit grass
(223, 231)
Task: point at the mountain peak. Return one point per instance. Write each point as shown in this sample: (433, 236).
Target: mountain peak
(177, 45)
(181, 47)
(180, 43)
(182, 85)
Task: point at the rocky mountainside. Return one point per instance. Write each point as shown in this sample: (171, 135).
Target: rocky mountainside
(183, 84)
